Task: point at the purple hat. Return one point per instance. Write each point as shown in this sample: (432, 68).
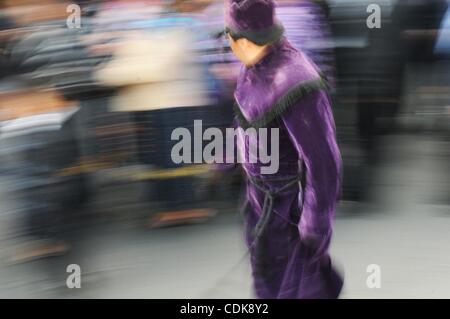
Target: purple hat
(254, 20)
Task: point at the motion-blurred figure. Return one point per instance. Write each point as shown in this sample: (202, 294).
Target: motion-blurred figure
(372, 64)
(380, 82)
(162, 85)
(38, 139)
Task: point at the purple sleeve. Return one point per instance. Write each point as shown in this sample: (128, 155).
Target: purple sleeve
(311, 128)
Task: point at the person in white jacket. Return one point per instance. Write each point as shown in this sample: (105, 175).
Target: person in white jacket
(162, 82)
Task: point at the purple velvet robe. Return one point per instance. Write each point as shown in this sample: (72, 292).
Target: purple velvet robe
(290, 259)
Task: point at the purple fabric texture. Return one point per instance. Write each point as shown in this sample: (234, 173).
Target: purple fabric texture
(250, 15)
(271, 78)
(290, 259)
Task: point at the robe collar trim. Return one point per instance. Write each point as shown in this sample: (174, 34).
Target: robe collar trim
(285, 102)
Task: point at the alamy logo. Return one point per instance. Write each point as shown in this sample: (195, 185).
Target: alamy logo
(252, 146)
(374, 19)
(74, 19)
(374, 279)
(74, 279)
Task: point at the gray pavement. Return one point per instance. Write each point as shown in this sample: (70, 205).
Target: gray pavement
(405, 230)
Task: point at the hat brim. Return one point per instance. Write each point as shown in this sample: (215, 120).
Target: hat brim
(259, 37)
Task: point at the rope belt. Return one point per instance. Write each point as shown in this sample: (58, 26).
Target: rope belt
(269, 197)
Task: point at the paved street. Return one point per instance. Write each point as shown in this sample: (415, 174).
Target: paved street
(405, 230)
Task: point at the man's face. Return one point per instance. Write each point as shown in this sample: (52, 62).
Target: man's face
(238, 48)
(246, 51)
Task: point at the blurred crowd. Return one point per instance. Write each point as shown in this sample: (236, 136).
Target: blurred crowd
(87, 109)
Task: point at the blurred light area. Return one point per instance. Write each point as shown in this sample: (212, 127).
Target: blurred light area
(86, 116)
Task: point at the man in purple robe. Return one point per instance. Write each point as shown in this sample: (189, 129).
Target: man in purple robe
(289, 213)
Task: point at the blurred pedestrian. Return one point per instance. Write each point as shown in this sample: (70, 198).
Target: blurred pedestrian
(162, 85)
